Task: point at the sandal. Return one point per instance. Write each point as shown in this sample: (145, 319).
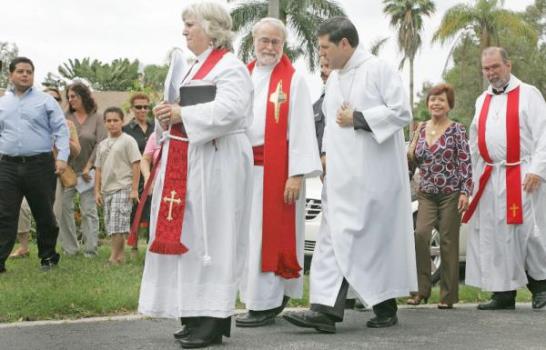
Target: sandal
(19, 254)
(445, 306)
(416, 300)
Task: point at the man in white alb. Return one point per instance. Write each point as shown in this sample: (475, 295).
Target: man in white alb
(367, 240)
(506, 246)
(285, 152)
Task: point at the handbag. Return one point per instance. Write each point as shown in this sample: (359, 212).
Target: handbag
(68, 177)
(412, 161)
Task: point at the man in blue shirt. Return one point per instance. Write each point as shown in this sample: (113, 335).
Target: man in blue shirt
(31, 123)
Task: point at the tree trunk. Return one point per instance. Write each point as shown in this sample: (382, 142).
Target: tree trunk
(412, 122)
(273, 9)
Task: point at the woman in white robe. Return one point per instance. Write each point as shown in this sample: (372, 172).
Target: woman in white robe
(200, 286)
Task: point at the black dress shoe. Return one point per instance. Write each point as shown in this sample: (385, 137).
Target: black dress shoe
(382, 321)
(311, 319)
(256, 318)
(194, 342)
(184, 332)
(539, 300)
(498, 304)
(51, 262)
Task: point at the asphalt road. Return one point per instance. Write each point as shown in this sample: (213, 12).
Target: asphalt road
(422, 328)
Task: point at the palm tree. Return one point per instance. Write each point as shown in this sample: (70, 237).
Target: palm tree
(407, 18)
(484, 19)
(377, 45)
(302, 17)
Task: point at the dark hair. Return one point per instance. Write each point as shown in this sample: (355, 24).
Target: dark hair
(138, 96)
(440, 89)
(338, 28)
(14, 62)
(113, 110)
(55, 90)
(83, 91)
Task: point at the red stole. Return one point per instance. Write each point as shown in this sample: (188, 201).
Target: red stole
(279, 219)
(514, 213)
(170, 218)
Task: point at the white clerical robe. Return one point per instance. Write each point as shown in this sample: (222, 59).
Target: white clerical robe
(265, 290)
(498, 254)
(366, 235)
(184, 285)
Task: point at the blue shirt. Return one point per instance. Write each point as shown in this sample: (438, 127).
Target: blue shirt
(31, 123)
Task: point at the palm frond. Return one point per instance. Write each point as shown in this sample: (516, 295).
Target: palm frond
(455, 19)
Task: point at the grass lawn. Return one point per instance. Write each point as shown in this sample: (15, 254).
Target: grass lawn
(87, 287)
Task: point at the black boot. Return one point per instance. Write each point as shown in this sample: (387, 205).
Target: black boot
(187, 324)
(260, 318)
(500, 301)
(385, 314)
(538, 290)
(311, 319)
(209, 332)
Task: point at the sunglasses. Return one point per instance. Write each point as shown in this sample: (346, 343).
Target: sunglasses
(140, 107)
(58, 99)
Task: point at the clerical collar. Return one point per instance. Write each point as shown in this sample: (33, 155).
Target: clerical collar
(501, 90)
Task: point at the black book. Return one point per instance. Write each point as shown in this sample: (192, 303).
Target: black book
(197, 92)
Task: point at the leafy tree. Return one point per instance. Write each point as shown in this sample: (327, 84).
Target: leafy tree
(154, 75)
(7, 53)
(119, 75)
(302, 17)
(407, 18)
(485, 19)
(377, 45)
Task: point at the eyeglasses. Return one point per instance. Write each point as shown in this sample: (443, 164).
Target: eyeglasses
(140, 107)
(267, 41)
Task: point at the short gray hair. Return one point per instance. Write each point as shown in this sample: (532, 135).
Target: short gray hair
(215, 21)
(272, 21)
(495, 49)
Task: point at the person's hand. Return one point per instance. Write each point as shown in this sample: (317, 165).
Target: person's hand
(60, 167)
(85, 174)
(134, 196)
(292, 189)
(98, 199)
(462, 205)
(167, 114)
(344, 116)
(531, 183)
(323, 162)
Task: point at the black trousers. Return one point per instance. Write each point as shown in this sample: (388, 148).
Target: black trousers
(387, 308)
(534, 286)
(36, 180)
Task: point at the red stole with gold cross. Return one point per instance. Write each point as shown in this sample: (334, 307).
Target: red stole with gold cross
(279, 219)
(170, 218)
(514, 213)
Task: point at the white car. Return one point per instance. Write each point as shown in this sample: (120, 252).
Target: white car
(313, 216)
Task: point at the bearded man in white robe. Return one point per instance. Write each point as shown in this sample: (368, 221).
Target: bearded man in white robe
(282, 131)
(366, 237)
(506, 246)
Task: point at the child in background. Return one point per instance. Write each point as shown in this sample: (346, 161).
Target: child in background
(116, 180)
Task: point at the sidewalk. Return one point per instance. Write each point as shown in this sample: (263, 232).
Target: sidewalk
(422, 328)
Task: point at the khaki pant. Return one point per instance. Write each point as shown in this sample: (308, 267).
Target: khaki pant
(440, 211)
(25, 218)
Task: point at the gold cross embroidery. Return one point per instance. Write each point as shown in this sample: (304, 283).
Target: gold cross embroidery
(514, 208)
(277, 98)
(171, 200)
